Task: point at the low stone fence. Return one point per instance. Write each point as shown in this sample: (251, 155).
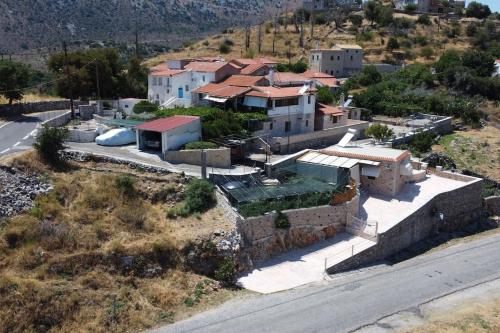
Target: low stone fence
(58, 121)
(216, 158)
(263, 240)
(25, 108)
(459, 207)
(316, 139)
(441, 126)
(493, 205)
(75, 135)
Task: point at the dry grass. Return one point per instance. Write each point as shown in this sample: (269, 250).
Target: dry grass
(324, 36)
(89, 258)
(29, 98)
(473, 317)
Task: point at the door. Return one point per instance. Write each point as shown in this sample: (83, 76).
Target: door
(181, 93)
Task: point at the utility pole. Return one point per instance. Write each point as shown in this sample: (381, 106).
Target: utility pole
(274, 33)
(301, 40)
(136, 41)
(98, 86)
(259, 37)
(68, 78)
(312, 18)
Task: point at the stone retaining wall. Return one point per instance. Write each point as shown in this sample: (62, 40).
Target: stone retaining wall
(307, 226)
(25, 108)
(460, 208)
(217, 158)
(81, 136)
(58, 121)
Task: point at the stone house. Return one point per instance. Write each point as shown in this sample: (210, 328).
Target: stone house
(338, 61)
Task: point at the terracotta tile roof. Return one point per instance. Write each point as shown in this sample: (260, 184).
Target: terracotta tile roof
(323, 78)
(248, 61)
(243, 80)
(333, 82)
(250, 69)
(163, 70)
(164, 124)
(222, 90)
(283, 77)
(328, 110)
(203, 66)
(275, 92)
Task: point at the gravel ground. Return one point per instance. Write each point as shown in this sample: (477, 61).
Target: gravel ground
(18, 191)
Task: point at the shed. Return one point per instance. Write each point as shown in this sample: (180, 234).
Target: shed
(168, 133)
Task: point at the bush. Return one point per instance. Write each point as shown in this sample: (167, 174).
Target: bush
(226, 271)
(49, 143)
(145, 107)
(427, 52)
(125, 184)
(199, 196)
(356, 19)
(379, 132)
(422, 142)
(200, 145)
(281, 221)
(224, 48)
(411, 7)
(320, 19)
(393, 43)
(424, 20)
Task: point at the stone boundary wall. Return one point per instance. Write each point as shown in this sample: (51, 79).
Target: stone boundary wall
(58, 121)
(262, 240)
(81, 136)
(25, 108)
(217, 158)
(493, 205)
(322, 138)
(460, 208)
(442, 126)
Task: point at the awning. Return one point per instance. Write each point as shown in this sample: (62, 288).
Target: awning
(370, 171)
(215, 99)
(329, 160)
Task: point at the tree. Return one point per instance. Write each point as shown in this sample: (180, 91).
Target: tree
(200, 196)
(135, 80)
(145, 107)
(356, 20)
(372, 11)
(427, 52)
(424, 20)
(49, 143)
(482, 62)
(392, 43)
(369, 75)
(224, 48)
(325, 96)
(14, 76)
(379, 132)
(477, 10)
(80, 80)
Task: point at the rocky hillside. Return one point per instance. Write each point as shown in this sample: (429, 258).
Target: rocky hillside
(39, 23)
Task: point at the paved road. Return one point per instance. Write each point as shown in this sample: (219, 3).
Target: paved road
(18, 134)
(352, 301)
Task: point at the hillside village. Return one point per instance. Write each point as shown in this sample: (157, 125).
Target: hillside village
(260, 160)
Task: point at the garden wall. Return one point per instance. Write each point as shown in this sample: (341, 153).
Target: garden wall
(460, 207)
(262, 240)
(217, 158)
(24, 108)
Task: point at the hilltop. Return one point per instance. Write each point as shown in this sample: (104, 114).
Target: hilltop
(39, 24)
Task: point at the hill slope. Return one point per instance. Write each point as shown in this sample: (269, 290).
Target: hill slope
(39, 23)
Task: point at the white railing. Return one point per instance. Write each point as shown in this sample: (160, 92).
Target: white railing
(347, 253)
(362, 228)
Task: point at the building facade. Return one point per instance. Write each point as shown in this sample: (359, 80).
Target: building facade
(338, 61)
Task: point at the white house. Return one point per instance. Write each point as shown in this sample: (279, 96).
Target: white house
(291, 109)
(170, 84)
(170, 133)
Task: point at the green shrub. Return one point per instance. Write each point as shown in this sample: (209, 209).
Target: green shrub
(200, 196)
(424, 20)
(125, 184)
(224, 48)
(281, 221)
(427, 52)
(422, 142)
(379, 132)
(145, 107)
(226, 271)
(50, 142)
(393, 43)
(200, 145)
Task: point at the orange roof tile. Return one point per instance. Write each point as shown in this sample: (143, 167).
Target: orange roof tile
(284, 77)
(243, 80)
(250, 69)
(222, 90)
(329, 110)
(163, 70)
(275, 92)
(203, 66)
(248, 61)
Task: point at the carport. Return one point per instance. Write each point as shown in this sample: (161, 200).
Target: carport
(168, 133)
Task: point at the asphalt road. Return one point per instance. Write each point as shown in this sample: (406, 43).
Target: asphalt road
(17, 135)
(355, 300)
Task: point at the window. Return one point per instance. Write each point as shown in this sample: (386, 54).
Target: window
(168, 91)
(356, 51)
(308, 99)
(157, 96)
(331, 72)
(338, 57)
(155, 81)
(331, 58)
(312, 58)
(160, 81)
(317, 57)
(203, 78)
(287, 126)
(351, 57)
(333, 119)
(286, 102)
(271, 126)
(200, 96)
(307, 123)
(187, 87)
